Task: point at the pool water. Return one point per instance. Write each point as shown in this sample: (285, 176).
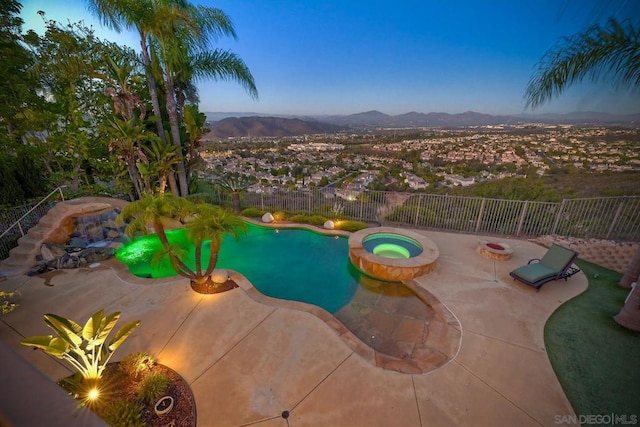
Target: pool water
(291, 264)
(390, 245)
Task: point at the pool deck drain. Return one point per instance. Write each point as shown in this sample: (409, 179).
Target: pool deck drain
(247, 362)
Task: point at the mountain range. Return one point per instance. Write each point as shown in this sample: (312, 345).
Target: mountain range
(223, 125)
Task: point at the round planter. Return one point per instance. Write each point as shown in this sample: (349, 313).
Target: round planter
(163, 405)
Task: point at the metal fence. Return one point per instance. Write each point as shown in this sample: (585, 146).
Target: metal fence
(612, 218)
(10, 216)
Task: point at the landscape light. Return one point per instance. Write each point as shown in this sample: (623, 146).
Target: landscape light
(94, 393)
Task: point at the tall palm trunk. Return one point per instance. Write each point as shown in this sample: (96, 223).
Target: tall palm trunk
(153, 89)
(213, 257)
(172, 111)
(180, 267)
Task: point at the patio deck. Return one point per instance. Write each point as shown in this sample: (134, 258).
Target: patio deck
(247, 361)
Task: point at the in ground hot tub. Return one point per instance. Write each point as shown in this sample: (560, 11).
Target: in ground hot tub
(392, 254)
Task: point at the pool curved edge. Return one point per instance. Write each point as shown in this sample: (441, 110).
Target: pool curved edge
(390, 269)
(445, 344)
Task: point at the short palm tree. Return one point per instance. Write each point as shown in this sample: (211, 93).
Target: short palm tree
(204, 223)
(234, 185)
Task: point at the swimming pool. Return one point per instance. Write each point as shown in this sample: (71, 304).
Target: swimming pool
(302, 265)
(291, 264)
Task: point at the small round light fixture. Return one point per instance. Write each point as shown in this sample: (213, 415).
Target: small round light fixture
(93, 394)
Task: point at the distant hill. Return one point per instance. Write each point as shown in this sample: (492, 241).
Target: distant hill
(267, 126)
(262, 125)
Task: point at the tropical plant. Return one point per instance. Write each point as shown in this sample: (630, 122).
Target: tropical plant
(6, 303)
(234, 185)
(204, 223)
(175, 38)
(152, 386)
(84, 347)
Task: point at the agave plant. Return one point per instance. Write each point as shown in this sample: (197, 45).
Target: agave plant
(85, 348)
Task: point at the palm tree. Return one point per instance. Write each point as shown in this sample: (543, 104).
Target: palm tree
(161, 158)
(127, 138)
(170, 32)
(141, 15)
(183, 52)
(210, 223)
(204, 223)
(611, 52)
(234, 185)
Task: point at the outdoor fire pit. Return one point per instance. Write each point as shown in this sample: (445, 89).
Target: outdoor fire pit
(497, 251)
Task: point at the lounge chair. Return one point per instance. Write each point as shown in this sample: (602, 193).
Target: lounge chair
(554, 265)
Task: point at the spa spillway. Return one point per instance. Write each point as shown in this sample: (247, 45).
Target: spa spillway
(392, 254)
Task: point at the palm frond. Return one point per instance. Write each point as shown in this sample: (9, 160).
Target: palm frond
(220, 64)
(611, 52)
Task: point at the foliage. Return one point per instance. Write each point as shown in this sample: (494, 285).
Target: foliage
(124, 413)
(533, 189)
(152, 386)
(204, 223)
(252, 212)
(609, 52)
(6, 303)
(279, 215)
(317, 220)
(135, 364)
(349, 225)
(85, 348)
(11, 191)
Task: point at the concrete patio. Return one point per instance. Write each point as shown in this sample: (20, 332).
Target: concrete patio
(249, 358)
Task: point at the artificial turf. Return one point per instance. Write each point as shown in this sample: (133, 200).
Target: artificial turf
(595, 359)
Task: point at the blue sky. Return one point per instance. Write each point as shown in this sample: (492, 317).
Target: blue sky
(350, 56)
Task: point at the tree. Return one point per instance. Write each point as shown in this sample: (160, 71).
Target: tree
(17, 86)
(204, 223)
(175, 38)
(611, 52)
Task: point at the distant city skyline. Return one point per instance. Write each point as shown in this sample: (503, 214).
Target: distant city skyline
(346, 57)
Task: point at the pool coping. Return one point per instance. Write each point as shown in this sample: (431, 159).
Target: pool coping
(453, 329)
(393, 269)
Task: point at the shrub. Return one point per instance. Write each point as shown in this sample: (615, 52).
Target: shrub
(252, 212)
(349, 225)
(317, 220)
(152, 387)
(135, 364)
(124, 413)
(279, 216)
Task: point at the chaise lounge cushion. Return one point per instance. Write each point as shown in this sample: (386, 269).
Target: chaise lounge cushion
(555, 264)
(535, 272)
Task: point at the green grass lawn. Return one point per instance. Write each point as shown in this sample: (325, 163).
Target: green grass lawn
(596, 360)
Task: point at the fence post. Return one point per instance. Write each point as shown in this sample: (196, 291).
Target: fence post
(522, 217)
(558, 215)
(415, 222)
(616, 218)
(479, 220)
